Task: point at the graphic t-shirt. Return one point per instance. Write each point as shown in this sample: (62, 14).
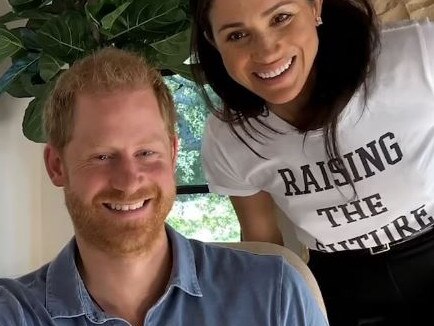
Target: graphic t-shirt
(387, 147)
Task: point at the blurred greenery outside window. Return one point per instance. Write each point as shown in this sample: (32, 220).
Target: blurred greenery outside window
(197, 214)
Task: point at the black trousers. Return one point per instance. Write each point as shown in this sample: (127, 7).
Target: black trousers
(394, 288)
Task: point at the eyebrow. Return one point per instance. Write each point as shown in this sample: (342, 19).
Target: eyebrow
(277, 5)
(265, 13)
(154, 139)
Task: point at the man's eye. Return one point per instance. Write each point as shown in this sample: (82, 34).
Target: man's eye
(281, 18)
(236, 36)
(147, 153)
(103, 157)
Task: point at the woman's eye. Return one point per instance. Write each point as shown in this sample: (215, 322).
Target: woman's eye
(103, 157)
(236, 36)
(281, 18)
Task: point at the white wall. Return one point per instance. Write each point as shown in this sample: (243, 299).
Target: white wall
(33, 222)
(20, 199)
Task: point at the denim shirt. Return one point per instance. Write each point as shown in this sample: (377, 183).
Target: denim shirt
(209, 285)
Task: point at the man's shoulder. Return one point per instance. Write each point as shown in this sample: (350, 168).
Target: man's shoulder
(266, 283)
(29, 283)
(23, 297)
(225, 260)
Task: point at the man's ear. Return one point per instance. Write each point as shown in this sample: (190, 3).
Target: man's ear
(54, 165)
(175, 148)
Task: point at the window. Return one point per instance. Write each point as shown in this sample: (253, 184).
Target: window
(196, 214)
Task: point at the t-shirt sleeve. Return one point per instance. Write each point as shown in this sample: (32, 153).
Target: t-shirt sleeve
(427, 28)
(298, 305)
(221, 170)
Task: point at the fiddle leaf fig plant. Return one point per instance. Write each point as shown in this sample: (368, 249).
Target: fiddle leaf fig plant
(53, 34)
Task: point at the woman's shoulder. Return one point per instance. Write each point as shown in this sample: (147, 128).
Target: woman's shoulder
(403, 24)
(215, 123)
(405, 43)
(406, 27)
(215, 128)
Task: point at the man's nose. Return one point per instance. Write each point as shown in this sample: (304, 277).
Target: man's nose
(127, 176)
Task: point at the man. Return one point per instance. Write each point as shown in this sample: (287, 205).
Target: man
(110, 125)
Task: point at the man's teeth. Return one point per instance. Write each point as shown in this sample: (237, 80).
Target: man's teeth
(131, 207)
(275, 73)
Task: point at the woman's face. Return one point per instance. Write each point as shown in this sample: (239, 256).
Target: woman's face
(268, 46)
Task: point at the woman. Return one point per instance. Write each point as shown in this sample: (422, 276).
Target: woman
(337, 131)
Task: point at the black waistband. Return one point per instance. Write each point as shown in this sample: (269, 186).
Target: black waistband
(395, 246)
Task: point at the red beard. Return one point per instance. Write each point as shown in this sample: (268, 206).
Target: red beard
(117, 236)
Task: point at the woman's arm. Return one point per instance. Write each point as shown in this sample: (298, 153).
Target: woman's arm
(257, 217)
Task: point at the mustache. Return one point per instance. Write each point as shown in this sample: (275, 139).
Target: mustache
(114, 195)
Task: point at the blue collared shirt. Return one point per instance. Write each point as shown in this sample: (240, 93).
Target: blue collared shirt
(209, 286)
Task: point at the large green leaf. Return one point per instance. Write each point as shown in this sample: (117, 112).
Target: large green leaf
(17, 68)
(15, 3)
(145, 18)
(60, 6)
(49, 66)
(33, 118)
(174, 50)
(28, 38)
(100, 8)
(37, 14)
(17, 89)
(108, 20)
(36, 19)
(9, 17)
(91, 12)
(32, 122)
(29, 83)
(33, 85)
(182, 70)
(96, 10)
(9, 44)
(66, 37)
(21, 5)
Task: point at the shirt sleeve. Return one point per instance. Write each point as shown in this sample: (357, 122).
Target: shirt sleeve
(221, 169)
(298, 305)
(11, 312)
(19, 307)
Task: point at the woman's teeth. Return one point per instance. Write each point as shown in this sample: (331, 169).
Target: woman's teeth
(276, 72)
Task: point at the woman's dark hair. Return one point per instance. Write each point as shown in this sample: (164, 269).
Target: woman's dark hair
(346, 58)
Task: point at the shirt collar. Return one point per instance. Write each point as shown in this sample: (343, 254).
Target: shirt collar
(66, 294)
(184, 273)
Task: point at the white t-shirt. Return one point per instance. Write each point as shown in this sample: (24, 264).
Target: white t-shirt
(388, 147)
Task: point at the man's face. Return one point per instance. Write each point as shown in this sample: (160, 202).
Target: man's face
(117, 171)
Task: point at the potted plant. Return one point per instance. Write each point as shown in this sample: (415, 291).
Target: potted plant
(55, 33)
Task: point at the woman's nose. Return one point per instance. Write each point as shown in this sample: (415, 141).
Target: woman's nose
(265, 49)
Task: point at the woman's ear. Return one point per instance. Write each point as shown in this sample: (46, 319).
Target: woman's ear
(317, 8)
(210, 39)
